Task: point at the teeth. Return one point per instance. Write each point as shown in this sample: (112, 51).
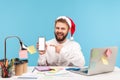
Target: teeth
(59, 35)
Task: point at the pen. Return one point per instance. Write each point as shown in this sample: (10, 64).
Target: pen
(73, 69)
(27, 77)
(33, 70)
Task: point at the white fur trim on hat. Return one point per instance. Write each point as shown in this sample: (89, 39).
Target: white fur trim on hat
(67, 19)
(71, 38)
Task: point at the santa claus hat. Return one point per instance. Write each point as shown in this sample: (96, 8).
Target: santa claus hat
(70, 23)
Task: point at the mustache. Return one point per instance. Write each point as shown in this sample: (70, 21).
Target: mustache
(60, 33)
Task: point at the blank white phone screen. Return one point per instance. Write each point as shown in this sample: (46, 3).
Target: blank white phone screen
(41, 43)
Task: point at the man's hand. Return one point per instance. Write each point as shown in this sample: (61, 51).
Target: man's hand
(41, 52)
(57, 48)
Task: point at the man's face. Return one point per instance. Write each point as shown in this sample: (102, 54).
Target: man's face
(61, 31)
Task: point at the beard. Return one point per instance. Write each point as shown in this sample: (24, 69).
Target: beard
(60, 36)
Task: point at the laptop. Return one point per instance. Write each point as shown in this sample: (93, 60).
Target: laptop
(102, 60)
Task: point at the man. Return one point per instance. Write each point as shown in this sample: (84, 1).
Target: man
(62, 51)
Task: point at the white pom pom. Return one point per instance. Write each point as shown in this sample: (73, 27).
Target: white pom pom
(71, 38)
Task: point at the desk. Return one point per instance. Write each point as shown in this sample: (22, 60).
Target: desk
(115, 75)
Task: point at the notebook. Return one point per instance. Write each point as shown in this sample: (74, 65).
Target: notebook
(102, 60)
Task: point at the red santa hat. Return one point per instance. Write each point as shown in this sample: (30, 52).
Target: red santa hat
(70, 23)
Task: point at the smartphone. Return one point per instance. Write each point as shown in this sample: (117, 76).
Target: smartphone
(41, 43)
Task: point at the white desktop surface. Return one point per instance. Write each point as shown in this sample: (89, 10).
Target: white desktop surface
(115, 75)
